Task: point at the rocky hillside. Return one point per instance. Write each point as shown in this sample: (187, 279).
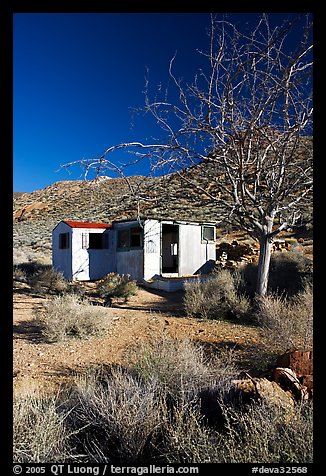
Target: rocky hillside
(104, 199)
(36, 213)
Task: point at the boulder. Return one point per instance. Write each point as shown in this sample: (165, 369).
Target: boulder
(264, 390)
(288, 381)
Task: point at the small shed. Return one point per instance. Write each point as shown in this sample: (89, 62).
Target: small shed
(80, 250)
(143, 248)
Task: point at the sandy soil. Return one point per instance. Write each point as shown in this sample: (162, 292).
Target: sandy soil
(145, 317)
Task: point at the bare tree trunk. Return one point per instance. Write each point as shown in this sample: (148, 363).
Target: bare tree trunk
(263, 264)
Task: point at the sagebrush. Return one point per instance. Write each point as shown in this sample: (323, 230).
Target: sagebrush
(136, 416)
(217, 297)
(70, 316)
(288, 321)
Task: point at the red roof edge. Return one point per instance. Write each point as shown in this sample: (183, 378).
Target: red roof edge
(84, 224)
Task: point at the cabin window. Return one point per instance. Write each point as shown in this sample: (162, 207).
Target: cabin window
(135, 237)
(95, 241)
(63, 241)
(208, 233)
(129, 238)
(123, 239)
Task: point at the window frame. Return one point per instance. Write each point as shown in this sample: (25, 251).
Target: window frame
(129, 246)
(205, 240)
(64, 241)
(103, 240)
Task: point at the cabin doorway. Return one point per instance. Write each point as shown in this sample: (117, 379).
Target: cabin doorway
(170, 248)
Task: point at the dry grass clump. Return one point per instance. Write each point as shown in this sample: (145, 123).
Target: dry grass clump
(216, 297)
(39, 432)
(116, 417)
(136, 416)
(288, 321)
(70, 316)
(41, 278)
(46, 280)
(183, 366)
(265, 434)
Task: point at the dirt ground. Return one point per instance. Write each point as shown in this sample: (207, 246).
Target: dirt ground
(147, 316)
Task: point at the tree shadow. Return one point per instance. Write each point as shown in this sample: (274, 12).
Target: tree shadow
(171, 303)
(29, 330)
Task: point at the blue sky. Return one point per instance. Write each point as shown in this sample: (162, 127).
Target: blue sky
(77, 77)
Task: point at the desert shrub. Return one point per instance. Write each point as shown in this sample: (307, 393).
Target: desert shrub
(115, 285)
(289, 271)
(252, 434)
(46, 280)
(267, 434)
(183, 366)
(19, 274)
(30, 268)
(288, 321)
(115, 417)
(128, 416)
(39, 433)
(287, 274)
(188, 439)
(217, 297)
(70, 316)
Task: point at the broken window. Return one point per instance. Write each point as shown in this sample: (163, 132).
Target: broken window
(63, 241)
(208, 233)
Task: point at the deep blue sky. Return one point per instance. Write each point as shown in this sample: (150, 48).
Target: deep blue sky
(77, 76)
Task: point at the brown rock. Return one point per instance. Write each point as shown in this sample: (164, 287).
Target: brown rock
(264, 390)
(273, 395)
(288, 381)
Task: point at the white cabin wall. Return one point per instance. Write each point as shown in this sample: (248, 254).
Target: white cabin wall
(193, 254)
(62, 259)
(90, 264)
(152, 248)
(130, 261)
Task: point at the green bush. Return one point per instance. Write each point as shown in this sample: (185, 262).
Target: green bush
(116, 286)
(217, 297)
(69, 316)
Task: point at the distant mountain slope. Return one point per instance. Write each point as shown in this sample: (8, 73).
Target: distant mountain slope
(36, 213)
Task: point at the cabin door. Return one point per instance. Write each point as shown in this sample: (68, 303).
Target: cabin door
(170, 248)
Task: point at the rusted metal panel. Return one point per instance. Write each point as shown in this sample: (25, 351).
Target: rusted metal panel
(301, 362)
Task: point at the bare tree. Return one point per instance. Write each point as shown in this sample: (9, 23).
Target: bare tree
(243, 125)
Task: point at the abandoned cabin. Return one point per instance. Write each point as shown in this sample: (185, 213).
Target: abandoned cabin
(149, 250)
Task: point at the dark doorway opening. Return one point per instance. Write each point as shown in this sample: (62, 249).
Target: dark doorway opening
(170, 248)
